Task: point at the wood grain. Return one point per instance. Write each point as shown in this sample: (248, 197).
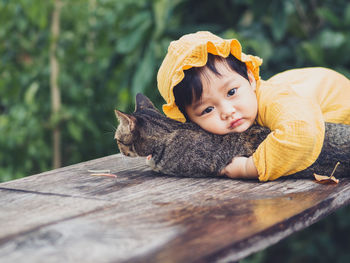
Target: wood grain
(67, 215)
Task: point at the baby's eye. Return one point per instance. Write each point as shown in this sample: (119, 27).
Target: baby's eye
(207, 110)
(231, 92)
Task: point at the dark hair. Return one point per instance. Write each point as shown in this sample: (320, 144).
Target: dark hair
(190, 89)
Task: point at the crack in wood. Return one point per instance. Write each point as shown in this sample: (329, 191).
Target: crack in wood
(47, 193)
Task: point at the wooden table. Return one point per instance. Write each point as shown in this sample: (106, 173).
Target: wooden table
(68, 215)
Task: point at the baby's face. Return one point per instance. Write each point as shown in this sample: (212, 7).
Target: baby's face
(228, 103)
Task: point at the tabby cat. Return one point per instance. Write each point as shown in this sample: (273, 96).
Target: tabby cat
(184, 149)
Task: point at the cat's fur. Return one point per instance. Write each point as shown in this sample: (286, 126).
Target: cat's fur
(184, 149)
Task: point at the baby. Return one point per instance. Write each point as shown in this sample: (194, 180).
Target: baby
(208, 80)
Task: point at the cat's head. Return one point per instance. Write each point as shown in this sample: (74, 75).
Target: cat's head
(142, 131)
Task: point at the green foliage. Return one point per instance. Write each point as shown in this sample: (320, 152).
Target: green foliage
(109, 50)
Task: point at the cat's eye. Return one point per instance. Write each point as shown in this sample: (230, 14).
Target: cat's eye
(231, 92)
(207, 110)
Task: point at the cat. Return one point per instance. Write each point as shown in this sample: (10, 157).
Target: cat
(184, 149)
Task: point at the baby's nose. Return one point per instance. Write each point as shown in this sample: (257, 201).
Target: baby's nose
(227, 112)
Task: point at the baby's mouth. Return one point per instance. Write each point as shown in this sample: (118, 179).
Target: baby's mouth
(236, 123)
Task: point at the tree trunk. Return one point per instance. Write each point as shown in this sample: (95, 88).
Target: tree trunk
(92, 35)
(55, 91)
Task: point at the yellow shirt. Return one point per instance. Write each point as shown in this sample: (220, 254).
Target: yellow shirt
(294, 105)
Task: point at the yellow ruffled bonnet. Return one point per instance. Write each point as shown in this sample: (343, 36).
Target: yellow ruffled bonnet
(192, 51)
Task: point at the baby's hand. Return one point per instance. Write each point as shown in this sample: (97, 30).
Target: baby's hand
(240, 167)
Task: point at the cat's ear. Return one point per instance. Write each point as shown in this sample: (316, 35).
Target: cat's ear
(126, 120)
(142, 102)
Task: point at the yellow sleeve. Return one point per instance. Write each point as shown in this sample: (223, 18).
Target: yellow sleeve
(297, 134)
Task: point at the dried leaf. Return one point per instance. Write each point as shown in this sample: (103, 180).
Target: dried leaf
(320, 177)
(326, 179)
(323, 179)
(104, 174)
(99, 171)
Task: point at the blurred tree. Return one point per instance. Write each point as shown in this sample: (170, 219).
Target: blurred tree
(55, 90)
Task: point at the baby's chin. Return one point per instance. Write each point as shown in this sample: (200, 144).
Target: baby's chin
(223, 130)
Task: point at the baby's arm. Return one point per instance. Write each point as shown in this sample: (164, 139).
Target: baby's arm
(296, 138)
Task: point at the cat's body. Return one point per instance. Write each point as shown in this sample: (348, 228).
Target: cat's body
(184, 149)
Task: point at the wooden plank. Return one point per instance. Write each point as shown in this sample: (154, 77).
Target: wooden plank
(43, 196)
(141, 216)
